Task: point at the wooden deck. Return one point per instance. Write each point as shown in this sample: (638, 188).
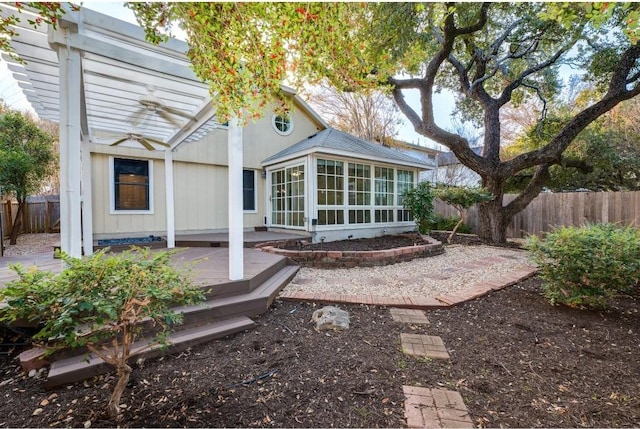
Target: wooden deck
(212, 264)
(227, 309)
(251, 238)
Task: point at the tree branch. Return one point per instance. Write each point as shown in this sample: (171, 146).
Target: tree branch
(529, 193)
(505, 97)
(479, 24)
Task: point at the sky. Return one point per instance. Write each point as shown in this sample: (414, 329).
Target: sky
(12, 95)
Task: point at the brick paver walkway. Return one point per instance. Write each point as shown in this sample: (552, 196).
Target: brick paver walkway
(424, 346)
(407, 315)
(435, 408)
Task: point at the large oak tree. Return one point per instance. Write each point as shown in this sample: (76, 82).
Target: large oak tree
(491, 55)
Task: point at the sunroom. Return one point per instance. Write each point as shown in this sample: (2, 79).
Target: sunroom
(337, 186)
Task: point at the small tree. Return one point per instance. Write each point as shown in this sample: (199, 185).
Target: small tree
(99, 303)
(27, 159)
(420, 201)
(462, 198)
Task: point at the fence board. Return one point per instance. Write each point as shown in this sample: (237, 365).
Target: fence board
(39, 216)
(549, 210)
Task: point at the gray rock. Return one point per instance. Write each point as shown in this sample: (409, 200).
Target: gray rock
(330, 318)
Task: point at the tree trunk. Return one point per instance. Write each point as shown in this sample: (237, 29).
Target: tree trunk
(492, 217)
(16, 228)
(124, 372)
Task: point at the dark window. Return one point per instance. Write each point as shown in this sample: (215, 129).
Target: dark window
(249, 190)
(131, 183)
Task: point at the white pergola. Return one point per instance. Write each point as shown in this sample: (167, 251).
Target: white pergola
(93, 74)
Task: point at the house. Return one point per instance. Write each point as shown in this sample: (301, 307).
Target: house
(298, 175)
(143, 153)
(450, 171)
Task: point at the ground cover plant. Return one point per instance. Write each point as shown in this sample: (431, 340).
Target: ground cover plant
(99, 303)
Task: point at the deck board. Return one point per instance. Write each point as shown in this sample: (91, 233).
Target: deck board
(211, 268)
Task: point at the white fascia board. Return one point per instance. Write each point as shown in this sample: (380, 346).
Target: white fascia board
(303, 104)
(346, 154)
(125, 29)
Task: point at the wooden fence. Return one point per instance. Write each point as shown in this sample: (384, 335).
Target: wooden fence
(549, 210)
(38, 216)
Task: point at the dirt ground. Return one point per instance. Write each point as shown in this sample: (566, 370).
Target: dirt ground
(516, 360)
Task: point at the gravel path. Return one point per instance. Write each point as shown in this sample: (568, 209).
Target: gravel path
(32, 244)
(458, 268)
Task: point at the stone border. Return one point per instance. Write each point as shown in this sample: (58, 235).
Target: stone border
(350, 259)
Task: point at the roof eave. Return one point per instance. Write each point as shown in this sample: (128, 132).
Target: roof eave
(345, 154)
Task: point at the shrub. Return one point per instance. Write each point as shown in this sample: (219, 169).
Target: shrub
(444, 223)
(585, 267)
(98, 303)
(420, 201)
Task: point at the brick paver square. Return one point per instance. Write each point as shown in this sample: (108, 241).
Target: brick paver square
(424, 346)
(406, 315)
(435, 408)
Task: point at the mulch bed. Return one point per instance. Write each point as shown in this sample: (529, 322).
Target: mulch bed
(516, 360)
(363, 244)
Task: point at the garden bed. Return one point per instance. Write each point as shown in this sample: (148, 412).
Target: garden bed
(516, 360)
(365, 252)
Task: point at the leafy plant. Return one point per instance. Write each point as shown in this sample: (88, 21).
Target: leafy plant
(420, 201)
(99, 303)
(445, 223)
(462, 198)
(27, 159)
(585, 267)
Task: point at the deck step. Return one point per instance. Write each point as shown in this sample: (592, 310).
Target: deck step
(78, 368)
(249, 304)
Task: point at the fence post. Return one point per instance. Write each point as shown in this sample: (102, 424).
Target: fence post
(9, 215)
(47, 214)
(26, 226)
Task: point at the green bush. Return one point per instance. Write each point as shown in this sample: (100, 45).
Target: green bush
(586, 267)
(444, 223)
(420, 201)
(98, 302)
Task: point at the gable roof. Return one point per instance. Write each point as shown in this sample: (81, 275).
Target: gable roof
(333, 142)
(449, 158)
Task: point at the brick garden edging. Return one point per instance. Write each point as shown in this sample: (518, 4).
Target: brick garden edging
(350, 259)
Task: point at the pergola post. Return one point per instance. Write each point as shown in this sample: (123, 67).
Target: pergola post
(236, 213)
(70, 154)
(170, 199)
(87, 201)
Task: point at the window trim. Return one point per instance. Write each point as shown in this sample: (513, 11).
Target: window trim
(255, 191)
(275, 128)
(112, 188)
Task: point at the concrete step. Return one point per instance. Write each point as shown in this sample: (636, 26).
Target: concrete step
(81, 367)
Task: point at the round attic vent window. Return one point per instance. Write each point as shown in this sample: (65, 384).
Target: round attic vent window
(282, 124)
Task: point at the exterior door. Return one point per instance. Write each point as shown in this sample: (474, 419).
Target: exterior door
(287, 197)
